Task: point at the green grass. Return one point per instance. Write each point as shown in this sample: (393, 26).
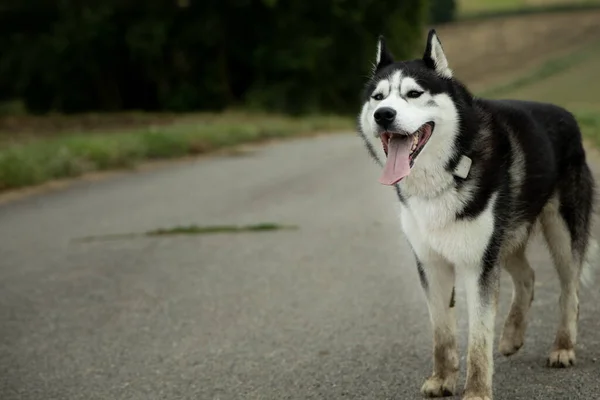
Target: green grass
(482, 9)
(589, 121)
(569, 81)
(547, 70)
(63, 156)
(195, 230)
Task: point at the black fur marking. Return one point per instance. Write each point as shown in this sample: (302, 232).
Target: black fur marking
(422, 276)
(399, 193)
(493, 171)
(490, 269)
(420, 270)
(576, 186)
(367, 143)
(535, 126)
(452, 298)
(469, 126)
(427, 56)
(541, 133)
(385, 57)
(577, 194)
(416, 69)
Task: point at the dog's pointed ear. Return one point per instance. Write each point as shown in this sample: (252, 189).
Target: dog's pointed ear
(434, 56)
(383, 57)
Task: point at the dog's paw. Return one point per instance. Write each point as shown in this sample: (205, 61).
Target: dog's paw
(561, 358)
(477, 394)
(510, 344)
(438, 387)
(513, 334)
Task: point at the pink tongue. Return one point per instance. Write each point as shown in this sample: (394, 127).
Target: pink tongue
(398, 162)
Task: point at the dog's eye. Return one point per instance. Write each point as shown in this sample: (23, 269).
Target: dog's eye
(413, 94)
(378, 97)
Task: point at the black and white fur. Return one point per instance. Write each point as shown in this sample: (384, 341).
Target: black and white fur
(528, 169)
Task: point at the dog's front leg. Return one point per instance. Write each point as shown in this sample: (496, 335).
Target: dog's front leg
(482, 282)
(437, 280)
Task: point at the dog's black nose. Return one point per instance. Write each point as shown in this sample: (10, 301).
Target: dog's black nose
(384, 116)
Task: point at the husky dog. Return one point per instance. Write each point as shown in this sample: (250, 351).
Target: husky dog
(474, 177)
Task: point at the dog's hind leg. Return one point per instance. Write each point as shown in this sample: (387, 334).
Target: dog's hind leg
(557, 235)
(523, 279)
(566, 225)
(437, 280)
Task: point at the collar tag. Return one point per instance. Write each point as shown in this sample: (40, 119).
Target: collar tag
(463, 167)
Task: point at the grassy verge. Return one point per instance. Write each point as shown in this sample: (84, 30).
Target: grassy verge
(70, 155)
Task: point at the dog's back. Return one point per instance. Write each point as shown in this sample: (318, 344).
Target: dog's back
(549, 162)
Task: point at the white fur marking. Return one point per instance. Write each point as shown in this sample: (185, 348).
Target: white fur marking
(431, 223)
(439, 58)
(378, 56)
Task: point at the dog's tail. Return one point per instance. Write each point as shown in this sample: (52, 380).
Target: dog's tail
(590, 263)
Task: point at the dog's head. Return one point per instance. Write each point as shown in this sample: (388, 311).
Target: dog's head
(409, 118)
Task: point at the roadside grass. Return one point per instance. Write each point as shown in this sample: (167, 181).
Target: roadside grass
(70, 155)
(568, 81)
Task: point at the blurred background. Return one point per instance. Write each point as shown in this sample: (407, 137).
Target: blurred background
(69, 68)
(251, 272)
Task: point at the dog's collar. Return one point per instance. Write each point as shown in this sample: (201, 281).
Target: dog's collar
(463, 167)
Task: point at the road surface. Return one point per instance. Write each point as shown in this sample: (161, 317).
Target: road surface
(332, 310)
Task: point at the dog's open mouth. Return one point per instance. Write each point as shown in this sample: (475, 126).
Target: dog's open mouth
(401, 150)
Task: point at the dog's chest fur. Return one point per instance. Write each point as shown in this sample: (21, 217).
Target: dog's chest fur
(431, 224)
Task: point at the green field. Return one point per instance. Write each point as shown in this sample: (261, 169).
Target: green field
(576, 87)
(477, 7)
(569, 81)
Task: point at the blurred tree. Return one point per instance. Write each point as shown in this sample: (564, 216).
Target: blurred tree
(291, 56)
(442, 11)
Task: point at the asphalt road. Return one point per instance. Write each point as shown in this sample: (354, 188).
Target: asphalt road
(332, 310)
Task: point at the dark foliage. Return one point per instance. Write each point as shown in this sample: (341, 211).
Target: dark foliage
(442, 11)
(293, 56)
